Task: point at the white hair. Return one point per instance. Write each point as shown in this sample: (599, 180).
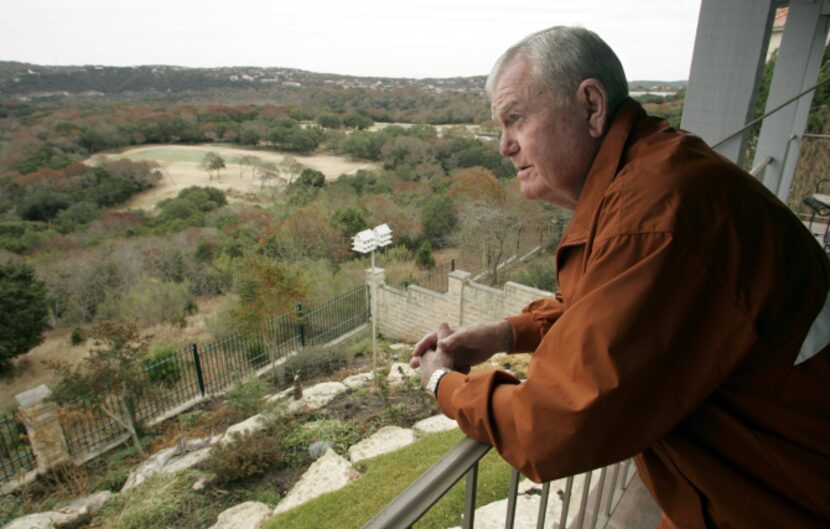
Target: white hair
(561, 58)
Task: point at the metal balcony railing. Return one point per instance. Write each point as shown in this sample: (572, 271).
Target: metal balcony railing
(461, 460)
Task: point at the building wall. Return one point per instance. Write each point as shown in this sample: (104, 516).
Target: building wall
(408, 314)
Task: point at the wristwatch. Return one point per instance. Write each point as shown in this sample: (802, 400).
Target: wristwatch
(432, 385)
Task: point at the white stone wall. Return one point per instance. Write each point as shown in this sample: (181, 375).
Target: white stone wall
(407, 314)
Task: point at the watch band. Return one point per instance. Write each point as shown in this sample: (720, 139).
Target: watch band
(432, 385)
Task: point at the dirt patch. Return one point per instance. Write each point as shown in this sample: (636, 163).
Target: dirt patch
(403, 406)
(180, 166)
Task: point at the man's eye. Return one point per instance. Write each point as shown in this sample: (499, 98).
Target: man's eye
(513, 118)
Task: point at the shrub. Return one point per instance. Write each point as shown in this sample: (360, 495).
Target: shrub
(247, 454)
(150, 301)
(164, 500)
(77, 337)
(313, 362)
(161, 366)
(424, 258)
(298, 437)
(245, 397)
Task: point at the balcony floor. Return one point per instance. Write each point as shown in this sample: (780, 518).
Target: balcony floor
(636, 510)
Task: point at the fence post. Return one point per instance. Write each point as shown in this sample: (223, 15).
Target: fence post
(299, 309)
(40, 416)
(197, 362)
(452, 265)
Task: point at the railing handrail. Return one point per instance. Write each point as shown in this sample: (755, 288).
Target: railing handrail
(411, 504)
(771, 112)
(463, 459)
(761, 166)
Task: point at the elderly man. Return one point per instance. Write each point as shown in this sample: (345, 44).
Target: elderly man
(693, 321)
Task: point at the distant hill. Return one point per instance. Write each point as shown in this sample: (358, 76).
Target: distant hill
(31, 81)
(659, 86)
(26, 81)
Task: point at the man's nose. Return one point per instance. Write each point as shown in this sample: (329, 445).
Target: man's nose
(508, 146)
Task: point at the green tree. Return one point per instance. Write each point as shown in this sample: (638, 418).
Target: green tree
(23, 311)
(311, 178)
(329, 121)
(349, 221)
(439, 219)
(424, 258)
(358, 121)
(266, 288)
(111, 378)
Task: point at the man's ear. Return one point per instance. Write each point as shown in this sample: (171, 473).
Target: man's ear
(594, 100)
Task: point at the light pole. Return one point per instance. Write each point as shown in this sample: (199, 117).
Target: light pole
(366, 242)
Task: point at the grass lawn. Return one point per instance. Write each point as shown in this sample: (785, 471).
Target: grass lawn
(170, 155)
(384, 477)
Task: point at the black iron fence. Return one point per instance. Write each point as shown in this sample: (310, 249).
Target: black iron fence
(196, 371)
(16, 455)
(436, 279)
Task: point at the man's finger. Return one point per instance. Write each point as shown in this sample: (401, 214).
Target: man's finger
(425, 344)
(443, 331)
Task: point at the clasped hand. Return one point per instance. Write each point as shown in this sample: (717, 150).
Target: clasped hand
(460, 348)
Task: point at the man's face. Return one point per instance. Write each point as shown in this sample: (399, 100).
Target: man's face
(549, 145)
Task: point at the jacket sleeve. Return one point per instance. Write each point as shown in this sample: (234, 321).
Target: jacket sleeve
(534, 322)
(651, 333)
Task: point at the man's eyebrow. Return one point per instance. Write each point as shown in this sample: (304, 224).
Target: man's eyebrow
(506, 108)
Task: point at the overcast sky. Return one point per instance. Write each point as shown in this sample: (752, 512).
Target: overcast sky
(389, 38)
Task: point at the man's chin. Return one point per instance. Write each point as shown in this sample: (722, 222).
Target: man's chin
(531, 192)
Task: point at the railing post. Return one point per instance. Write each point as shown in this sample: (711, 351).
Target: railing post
(452, 265)
(197, 363)
(470, 497)
(512, 493)
(300, 318)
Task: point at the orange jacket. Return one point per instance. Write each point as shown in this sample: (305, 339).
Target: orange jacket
(687, 290)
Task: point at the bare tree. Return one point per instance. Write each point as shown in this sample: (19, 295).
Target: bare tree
(213, 163)
(249, 161)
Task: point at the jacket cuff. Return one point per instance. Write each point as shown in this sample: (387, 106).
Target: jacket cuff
(446, 388)
(526, 336)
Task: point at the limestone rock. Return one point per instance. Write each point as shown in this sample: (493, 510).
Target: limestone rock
(88, 504)
(248, 515)
(387, 439)
(318, 448)
(188, 460)
(358, 380)
(316, 396)
(185, 454)
(201, 483)
(400, 373)
(69, 514)
(150, 466)
(434, 424)
(328, 474)
(41, 520)
(252, 424)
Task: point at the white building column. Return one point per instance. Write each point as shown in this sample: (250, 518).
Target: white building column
(730, 49)
(796, 70)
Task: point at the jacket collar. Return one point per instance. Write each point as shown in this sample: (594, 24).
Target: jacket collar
(603, 170)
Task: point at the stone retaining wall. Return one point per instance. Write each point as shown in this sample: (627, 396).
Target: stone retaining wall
(407, 314)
